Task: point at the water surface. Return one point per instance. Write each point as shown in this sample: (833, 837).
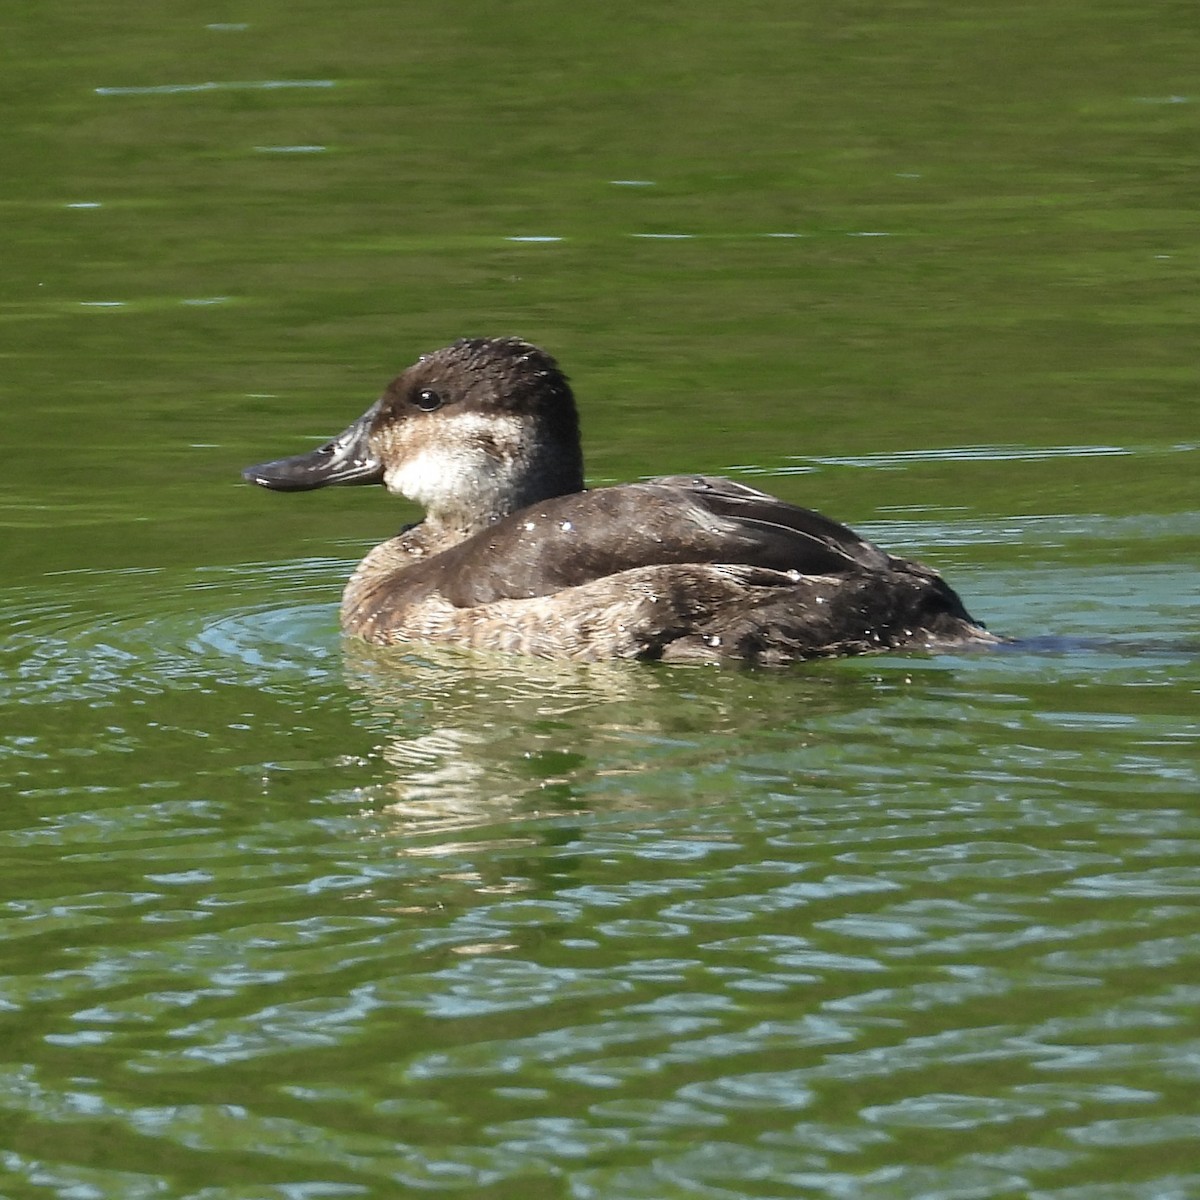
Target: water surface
(284, 918)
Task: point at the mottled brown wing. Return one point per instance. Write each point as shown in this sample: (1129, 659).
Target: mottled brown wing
(760, 510)
(575, 539)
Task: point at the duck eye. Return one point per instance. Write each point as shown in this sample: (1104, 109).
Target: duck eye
(428, 400)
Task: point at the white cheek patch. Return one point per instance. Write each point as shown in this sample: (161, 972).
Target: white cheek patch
(431, 475)
(458, 460)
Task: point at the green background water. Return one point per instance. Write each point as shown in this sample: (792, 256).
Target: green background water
(284, 918)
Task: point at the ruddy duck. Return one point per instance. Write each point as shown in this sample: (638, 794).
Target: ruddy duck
(514, 554)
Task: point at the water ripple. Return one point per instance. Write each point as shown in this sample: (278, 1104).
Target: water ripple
(866, 929)
(169, 89)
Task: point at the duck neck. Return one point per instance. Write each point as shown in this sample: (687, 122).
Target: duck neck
(493, 488)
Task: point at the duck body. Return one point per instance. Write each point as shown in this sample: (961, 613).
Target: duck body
(515, 556)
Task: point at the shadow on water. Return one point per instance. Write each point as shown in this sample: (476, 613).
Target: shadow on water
(1130, 647)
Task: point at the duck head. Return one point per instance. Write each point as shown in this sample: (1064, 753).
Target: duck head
(471, 432)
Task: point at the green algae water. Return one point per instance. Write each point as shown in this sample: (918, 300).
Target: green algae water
(284, 918)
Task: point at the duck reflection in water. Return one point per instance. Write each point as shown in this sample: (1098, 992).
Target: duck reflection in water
(515, 555)
(463, 741)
